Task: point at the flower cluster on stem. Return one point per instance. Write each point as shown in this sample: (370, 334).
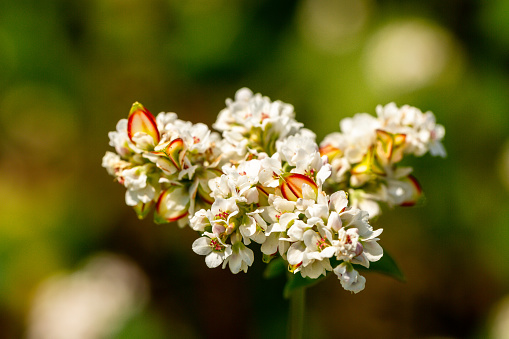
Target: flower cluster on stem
(266, 181)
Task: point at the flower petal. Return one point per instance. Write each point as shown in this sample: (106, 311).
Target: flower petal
(214, 259)
(201, 246)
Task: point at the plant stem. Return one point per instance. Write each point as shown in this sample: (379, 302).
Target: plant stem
(296, 313)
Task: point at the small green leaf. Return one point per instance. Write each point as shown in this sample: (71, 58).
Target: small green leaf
(387, 266)
(295, 281)
(275, 268)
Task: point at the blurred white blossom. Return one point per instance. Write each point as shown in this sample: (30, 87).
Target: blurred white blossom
(91, 303)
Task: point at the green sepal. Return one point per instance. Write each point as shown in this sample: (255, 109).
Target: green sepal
(158, 219)
(142, 210)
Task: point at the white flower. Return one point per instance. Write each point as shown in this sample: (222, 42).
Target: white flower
(318, 245)
(164, 119)
(297, 148)
(199, 221)
(315, 269)
(113, 163)
(221, 211)
(241, 257)
(221, 187)
(138, 189)
(212, 248)
(120, 140)
(237, 182)
(296, 230)
(371, 250)
(279, 215)
(347, 245)
(271, 169)
(350, 279)
(306, 260)
(254, 229)
(359, 132)
(356, 241)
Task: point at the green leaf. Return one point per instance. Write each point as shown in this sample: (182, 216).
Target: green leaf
(275, 268)
(295, 281)
(386, 265)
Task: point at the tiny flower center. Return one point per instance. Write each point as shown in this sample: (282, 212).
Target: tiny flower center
(120, 180)
(433, 135)
(322, 243)
(216, 245)
(222, 214)
(348, 239)
(265, 116)
(196, 140)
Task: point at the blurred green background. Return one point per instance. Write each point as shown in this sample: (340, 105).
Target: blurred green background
(69, 70)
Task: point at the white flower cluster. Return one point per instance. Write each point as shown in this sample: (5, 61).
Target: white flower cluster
(252, 123)
(265, 181)
(164, 163)
(365, 155)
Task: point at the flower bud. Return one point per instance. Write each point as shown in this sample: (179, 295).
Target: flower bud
(142, 121)
(173, 204)
(330, 151)
(416, 192)
(176, 152)
(291, 188)
(389, 147)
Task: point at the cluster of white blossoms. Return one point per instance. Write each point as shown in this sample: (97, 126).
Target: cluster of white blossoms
(365, 155)
(266, 181)
(164, 163)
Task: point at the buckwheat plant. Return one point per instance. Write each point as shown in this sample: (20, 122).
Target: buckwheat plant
(264, 184)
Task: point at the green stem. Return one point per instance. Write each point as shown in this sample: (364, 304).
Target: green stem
(296, 313)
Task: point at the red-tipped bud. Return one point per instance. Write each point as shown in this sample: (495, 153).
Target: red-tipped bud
(176, 152)
(417, 191)
(141, 120)
(291, 188)
(330, 151)
(369, 165)
(390, 147)
(173, 204)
